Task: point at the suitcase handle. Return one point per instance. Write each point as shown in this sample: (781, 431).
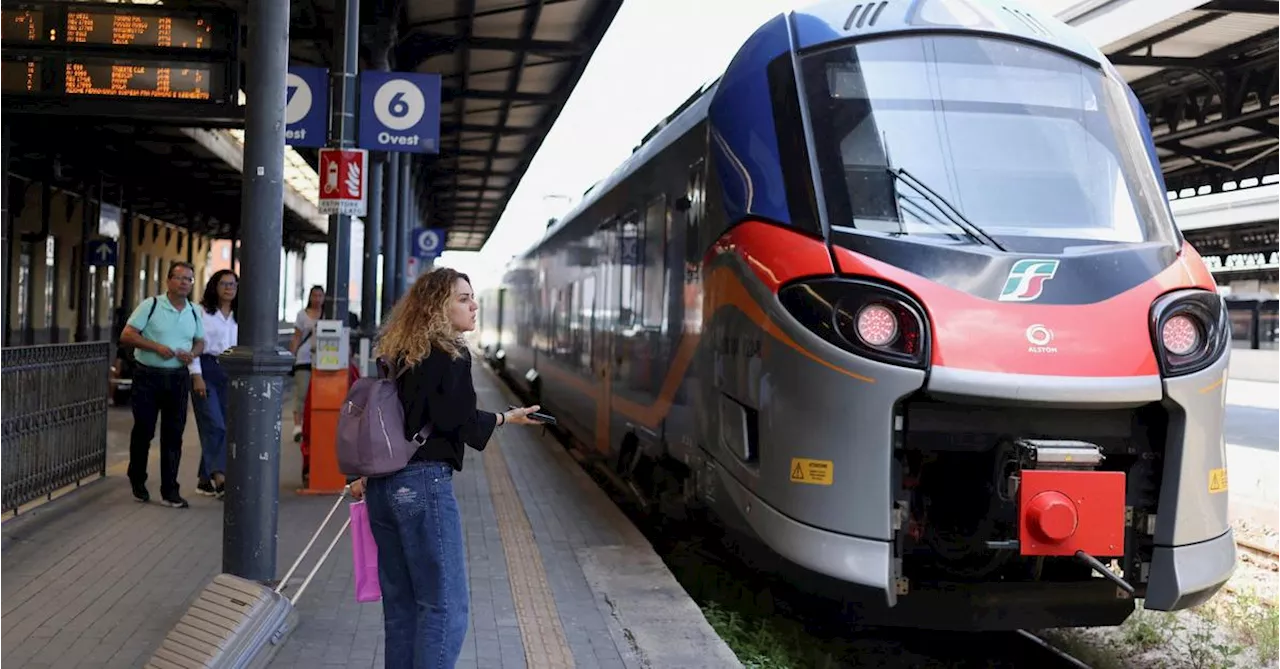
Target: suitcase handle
(316, 567)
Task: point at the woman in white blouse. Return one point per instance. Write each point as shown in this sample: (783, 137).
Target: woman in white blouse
(302, 345)
(209, 392)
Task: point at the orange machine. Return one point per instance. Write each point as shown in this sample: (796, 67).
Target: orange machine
(327, 392)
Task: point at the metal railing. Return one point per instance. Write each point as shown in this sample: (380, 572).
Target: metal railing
(54, 401)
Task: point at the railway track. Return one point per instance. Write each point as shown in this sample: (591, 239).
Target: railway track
(712, 571)
(1257, 550)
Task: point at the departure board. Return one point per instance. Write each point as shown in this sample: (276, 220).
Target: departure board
(22, 26)
(132, 29)
(182, 81)
(21, 76)
(151, 62)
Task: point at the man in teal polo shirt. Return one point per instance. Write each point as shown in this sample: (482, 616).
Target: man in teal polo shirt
(166, 333)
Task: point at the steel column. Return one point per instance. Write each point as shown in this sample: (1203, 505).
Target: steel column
(82, 296)
(257, 366)
(372, 242)
(406, 224)
(7, 214)
(128, 258)
(370, 308)
(392, 248)
(342, 128)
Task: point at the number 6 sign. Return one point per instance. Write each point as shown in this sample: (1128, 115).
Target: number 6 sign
(399, 111)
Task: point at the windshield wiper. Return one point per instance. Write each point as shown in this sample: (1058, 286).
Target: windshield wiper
(951, 213)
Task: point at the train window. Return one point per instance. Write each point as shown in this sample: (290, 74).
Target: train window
(632, 252)
(654, 257)
(797, 177)
(588, 318)
(1022, 141)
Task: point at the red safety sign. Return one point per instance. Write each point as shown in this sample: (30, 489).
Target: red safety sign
(343, 181)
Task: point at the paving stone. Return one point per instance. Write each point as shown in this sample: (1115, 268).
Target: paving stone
(95, 579)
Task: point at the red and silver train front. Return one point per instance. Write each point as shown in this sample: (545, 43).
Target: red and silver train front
(993, 386)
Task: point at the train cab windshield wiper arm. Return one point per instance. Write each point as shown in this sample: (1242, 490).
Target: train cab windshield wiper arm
(945, 207)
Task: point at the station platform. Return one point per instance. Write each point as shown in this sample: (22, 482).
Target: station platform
(559, 576)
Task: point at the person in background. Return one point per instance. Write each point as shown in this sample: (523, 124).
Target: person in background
(209, 392)
(413, 513)
(301, 346)
(166, 333)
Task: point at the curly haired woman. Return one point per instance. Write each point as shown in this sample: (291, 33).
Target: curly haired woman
(414, 513)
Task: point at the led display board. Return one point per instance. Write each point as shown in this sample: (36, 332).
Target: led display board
(148, 62)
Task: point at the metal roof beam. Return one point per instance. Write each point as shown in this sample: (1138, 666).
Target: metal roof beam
(418, 46)
(481, 14)
(476, 153)
(452, 94)
(1121, 59)
(482, 128)
(1243, 6)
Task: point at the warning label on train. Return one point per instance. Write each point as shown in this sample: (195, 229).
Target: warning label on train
(804, 470)
(1218, 480)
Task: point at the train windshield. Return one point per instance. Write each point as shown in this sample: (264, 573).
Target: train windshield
(962, 139)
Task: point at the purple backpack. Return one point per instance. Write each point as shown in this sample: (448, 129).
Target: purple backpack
(371, 429)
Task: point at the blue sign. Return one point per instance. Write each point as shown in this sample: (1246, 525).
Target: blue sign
(399, 111)
(101, 253)
(306, 106)
(428, 242)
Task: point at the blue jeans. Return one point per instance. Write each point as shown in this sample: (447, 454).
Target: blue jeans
(211, 418)
(421, 565)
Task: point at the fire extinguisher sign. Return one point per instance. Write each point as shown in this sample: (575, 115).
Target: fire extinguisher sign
(344, 180)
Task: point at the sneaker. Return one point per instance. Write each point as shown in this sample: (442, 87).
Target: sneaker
(140, 493)
(221, 491)
(205, 487)
(297, 435)
(175, 502)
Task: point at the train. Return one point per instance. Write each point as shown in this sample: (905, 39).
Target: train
(899, 298)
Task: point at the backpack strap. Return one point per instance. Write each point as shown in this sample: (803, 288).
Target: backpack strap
(155, 301)
(388, 369)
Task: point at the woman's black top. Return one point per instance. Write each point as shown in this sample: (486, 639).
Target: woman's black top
(439, 390)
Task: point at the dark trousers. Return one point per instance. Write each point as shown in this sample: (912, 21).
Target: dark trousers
(158, 393)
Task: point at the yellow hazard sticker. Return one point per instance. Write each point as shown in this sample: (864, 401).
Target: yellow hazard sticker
(817, 472)
(1218, 480)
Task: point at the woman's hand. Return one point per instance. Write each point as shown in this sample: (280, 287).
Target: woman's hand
(520, 416)
(198, 386)
(357, 489)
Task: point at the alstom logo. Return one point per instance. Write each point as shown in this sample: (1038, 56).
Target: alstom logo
(1026, 280)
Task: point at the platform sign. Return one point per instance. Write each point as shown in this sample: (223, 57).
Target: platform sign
(306, 106)
(399, 111)
(101, 253)
(344, 181)
(428, 242)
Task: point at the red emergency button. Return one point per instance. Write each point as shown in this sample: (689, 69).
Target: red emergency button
(1052, 517)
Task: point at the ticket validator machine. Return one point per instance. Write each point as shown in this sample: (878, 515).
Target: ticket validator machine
(329, 385)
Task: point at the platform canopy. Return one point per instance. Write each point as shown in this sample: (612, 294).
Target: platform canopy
(1206, 74)
(508, 67)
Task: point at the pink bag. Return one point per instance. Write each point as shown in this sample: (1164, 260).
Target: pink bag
(364, 554)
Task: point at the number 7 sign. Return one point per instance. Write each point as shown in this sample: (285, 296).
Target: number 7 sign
(399, 111)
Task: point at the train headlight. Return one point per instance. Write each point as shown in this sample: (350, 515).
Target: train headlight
(876, 325)
(1180, 335)
(873, 320)
(1190, 330)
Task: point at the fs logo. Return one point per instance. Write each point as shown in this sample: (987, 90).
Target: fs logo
(1026, 280)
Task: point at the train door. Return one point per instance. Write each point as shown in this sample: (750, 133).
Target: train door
(604, 361)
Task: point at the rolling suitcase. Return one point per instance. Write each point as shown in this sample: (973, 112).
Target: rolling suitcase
(239, 624)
